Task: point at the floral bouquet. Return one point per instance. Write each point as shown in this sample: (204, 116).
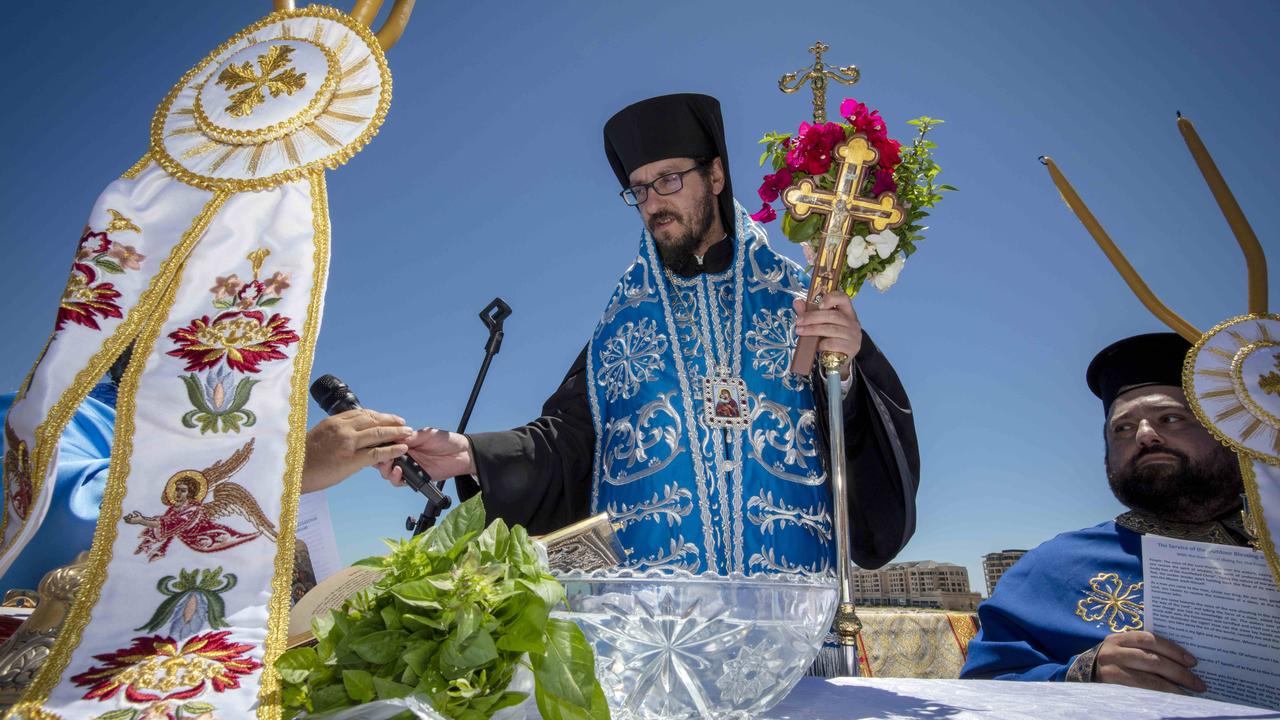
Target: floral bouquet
(909, 173)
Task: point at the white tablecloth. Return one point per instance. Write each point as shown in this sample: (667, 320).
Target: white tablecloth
(914, 699)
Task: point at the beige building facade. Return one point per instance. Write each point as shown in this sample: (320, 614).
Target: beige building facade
(919, 584)
(995, 564)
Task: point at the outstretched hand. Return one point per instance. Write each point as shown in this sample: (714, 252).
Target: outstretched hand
(441, 453)
(341, 444)
(836, 325)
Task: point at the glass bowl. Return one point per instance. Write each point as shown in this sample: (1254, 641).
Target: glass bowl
(673, 645)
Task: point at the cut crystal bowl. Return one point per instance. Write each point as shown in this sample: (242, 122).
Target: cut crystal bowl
(674, 645)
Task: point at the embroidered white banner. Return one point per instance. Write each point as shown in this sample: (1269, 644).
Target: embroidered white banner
(209, 257)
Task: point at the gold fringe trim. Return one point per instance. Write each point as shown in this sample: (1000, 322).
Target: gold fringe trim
(1189, 388)
(1263, 541)
(136, 169)
(122, 449)
(295, 456)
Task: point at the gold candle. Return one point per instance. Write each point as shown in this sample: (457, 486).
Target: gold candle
(1117, 258)
(1254, 259)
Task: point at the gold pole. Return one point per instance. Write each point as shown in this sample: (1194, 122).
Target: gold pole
(1255, 260)
(393, 28)
(282, 4)
(365, 11)
(1117, 258)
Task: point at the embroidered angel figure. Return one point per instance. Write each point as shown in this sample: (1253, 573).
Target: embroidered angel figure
(190, 518)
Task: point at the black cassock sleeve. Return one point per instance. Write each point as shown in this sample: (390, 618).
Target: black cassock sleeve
(882, 456)
(539, 475)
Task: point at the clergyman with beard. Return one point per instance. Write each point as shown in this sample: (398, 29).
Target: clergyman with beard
(1072, 609)
(633, 429)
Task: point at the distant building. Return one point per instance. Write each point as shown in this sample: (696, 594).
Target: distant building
(994, 565)
(920, 584)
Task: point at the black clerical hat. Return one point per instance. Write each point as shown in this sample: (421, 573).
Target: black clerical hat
(669, 126)
(1153, 359)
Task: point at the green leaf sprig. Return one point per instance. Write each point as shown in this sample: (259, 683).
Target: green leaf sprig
(455, 615)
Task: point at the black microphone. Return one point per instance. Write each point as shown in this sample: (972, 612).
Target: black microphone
(333, 396)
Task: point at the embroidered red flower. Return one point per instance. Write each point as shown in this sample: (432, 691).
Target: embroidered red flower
(157, 668)
(92, 243)
(83, 301)
(245, 338)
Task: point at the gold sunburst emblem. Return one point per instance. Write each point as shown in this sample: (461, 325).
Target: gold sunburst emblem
(1232, 378)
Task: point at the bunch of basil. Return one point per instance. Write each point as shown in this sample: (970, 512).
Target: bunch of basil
(459, 609)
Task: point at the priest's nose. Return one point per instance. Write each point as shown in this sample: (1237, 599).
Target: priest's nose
(1147, 435)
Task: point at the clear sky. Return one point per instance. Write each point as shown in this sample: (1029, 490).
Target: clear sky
(489, 179)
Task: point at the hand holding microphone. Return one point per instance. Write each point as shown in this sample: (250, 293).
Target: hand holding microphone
(355, 438)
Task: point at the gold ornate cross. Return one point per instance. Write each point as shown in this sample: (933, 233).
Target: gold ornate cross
(817, 76)
(842, 206)
(276, 77)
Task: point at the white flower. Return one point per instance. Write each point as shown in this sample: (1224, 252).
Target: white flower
(859, 251)
(809, 253)
(885, 279)
(884, 241)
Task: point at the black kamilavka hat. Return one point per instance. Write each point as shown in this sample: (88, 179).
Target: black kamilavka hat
(669, 126)
(1134, 362)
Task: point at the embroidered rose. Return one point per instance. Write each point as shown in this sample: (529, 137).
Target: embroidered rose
(244, 338)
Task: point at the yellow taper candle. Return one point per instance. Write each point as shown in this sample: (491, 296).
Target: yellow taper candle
(1255, 261)
(1117, 258)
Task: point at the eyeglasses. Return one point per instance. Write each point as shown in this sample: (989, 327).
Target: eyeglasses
(668, 184)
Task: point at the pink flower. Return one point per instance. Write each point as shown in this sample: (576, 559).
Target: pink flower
(851, 108)
(890, 152)
(884, 181)
(127, 256)
(774, 184)
(226, 287)
(277, 284)
(765, 214)
(811, 152)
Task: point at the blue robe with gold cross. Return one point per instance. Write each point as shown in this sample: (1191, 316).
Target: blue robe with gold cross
(1059, 600)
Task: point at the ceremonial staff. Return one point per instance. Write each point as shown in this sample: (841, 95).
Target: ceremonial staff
(841, 205)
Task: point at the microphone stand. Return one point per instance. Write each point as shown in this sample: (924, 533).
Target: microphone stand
(492, 316)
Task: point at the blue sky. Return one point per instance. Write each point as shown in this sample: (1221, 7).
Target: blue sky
(489, 179)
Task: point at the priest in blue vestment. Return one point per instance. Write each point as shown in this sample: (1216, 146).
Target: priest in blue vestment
(1072, 609)
(680, 417)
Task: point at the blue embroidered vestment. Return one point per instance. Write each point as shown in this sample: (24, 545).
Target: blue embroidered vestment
(1059, 600)
(691, 494)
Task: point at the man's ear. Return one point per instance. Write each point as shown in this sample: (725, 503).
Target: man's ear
(716, 171)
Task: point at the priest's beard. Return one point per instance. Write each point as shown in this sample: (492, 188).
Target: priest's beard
(679, 253)
(1183, 492)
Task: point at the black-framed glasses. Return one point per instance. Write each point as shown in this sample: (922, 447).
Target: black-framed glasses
(665, 185)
